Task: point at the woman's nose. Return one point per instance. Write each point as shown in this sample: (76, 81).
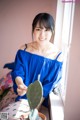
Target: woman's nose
(42, 33)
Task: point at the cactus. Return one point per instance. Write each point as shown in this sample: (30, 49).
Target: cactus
(34, 95)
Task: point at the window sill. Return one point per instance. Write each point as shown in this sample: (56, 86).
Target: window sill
(56, 107)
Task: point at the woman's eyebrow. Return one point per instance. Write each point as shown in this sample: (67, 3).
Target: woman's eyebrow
(38, 27)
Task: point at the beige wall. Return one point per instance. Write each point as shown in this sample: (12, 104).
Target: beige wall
(15, 25)
(72, 104)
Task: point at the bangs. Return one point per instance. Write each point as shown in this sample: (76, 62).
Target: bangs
(44, 23)
(43, 20)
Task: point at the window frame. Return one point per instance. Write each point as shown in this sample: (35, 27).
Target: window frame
(64, 14)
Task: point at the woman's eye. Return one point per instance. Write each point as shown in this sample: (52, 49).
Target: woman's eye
(37, 29)
(47, 29)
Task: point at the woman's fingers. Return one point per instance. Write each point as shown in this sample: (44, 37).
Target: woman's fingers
(22, 86)
(21, 92)
(22, 89)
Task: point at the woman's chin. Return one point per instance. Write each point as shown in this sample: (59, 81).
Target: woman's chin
(42, 40)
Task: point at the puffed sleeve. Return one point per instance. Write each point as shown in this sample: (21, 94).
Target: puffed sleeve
(18, 68)
(53, 77)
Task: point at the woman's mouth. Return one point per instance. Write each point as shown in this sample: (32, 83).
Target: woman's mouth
(42, 39)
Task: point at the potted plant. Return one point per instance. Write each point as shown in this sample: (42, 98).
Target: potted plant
(34, 95)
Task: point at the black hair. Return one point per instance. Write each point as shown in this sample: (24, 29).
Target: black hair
(43, 19)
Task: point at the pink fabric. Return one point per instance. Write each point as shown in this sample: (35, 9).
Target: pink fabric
(15, 110)
(6, 82)
(7, 99)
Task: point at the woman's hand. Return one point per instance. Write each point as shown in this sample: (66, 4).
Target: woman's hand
(22, 88)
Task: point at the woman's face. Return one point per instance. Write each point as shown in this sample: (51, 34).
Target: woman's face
(41, 34)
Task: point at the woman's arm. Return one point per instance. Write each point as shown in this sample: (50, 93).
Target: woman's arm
(18, 74)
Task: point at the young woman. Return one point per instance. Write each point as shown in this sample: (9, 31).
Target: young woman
(40, 57)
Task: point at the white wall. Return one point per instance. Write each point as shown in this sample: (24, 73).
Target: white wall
(72, 103)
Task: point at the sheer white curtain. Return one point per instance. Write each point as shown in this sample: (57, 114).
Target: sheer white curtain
(63, 37)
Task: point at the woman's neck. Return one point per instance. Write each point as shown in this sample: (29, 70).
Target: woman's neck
(41, 46)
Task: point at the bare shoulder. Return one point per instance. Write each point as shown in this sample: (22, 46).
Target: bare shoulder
(58, 53)
(60, 56)
(26, 46)
(22, 47)
(30, 46)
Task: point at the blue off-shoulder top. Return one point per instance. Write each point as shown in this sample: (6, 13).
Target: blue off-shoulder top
(28, 66)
